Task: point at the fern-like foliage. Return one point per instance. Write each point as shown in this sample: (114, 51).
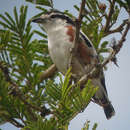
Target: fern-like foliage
(25, 100)
(22, 95)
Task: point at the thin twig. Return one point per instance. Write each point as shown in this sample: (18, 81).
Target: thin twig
(117, 47)
(108, 18)
(78, 25)
(19, 94)
(48, 73)
(15, 88)
(16, 91)
(118, 29)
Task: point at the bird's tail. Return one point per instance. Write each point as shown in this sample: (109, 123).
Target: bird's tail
(109, 110)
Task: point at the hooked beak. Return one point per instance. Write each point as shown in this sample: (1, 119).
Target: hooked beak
(38, 20)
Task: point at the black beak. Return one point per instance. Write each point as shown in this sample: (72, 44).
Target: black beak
(38, 20)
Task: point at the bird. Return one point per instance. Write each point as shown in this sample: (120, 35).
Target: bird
(61, 29)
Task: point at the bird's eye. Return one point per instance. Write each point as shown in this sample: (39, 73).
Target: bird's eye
(53, 16)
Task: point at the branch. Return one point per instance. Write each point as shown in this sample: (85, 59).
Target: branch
(117, 47)
(48, 73)
(118, 29)
(78, 25)
(95, 71)
(16, 91)
(108, 18)
(15, 88)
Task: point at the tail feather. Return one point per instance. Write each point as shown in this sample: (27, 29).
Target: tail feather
(109, 111)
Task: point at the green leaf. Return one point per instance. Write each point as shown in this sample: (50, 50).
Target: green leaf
(94, 126)
(65, 86)
(16, 16)
(42, 9)
(104, 44)
(122, 3)
(40, 34)
(115, 14)
(7, 21)
(53, 91)
(41, 124)
(5, 25)
(22, 18)
(128, 3)
(86, 125)
(40, 2)
(10, 18)
(103, 50)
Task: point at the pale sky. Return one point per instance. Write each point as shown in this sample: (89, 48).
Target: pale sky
(117, 79)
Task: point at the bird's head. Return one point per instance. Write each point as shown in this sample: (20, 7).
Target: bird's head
(53, 19)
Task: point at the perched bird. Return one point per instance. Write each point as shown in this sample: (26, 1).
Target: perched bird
(61, 34)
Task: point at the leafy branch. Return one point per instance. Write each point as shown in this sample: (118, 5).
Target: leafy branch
(117, 47)
(29, 87)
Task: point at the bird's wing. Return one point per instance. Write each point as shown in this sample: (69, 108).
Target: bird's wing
(89, 56)
(87, 51)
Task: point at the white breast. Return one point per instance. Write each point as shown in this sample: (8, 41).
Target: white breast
(59, 48)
